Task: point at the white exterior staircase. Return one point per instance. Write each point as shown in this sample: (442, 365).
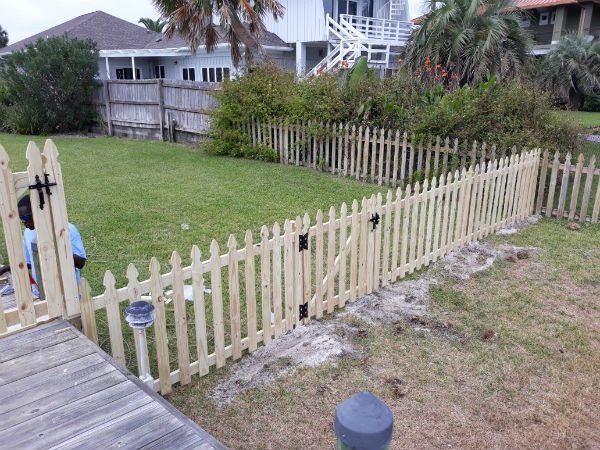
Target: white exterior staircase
(356, 36)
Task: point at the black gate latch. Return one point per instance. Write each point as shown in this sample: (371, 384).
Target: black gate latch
(302, 242)
(39, 186)
(375, 220)
(303, 311)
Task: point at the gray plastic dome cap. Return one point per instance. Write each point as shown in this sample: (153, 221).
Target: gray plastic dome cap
(363, 422)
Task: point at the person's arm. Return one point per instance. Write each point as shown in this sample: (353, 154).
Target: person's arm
(79, 261)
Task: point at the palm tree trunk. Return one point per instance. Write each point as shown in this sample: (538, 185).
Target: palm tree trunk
(575, 100)
(247, 38)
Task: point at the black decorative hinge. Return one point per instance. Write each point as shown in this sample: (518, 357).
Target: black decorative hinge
(39, 186)
(302, 242)
(303, 311)
(375, 220)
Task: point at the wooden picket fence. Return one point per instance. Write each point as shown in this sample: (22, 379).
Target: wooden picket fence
(53, 240)
(291, 275)
(377, 155)
(574, 199)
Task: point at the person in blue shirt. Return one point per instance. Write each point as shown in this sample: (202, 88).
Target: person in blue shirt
(29, 236)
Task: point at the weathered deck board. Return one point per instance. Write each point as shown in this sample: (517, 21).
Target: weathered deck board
(59, 390)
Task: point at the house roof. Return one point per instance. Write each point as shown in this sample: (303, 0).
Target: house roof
(113, 33)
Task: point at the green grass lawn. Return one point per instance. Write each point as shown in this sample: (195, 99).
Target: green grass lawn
(584, 118)
(129, 198)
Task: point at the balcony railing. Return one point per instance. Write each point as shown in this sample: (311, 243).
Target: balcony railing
(371, 28)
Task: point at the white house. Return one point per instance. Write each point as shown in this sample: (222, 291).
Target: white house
(313, 35)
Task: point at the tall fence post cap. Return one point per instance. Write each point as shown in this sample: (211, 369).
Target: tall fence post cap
(363, 422)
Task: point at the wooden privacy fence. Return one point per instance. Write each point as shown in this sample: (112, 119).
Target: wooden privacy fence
(56, 267)
(260, 290)
(154, 109)
(377, 155)
(562, 191)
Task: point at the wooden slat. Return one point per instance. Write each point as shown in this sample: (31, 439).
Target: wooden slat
(160, 328)
(423, 200)
(381, 156)
(265, 277)
(306, 270)
(542, 183)
(234, 299)
(181, 331)
(446, 212)
(319, 265)
(199, 311)
(564, 186)
(396, 235)
(298, 271)
(596, 209)
(430, 216)
(366, 152)
(388, 157)
(412, 256)
(330, 260)
(217, 304)
(354, 238)
(250, 275)
(134, 293)
(385, 267)
(343, 256)
(396, 156)
(575, 190)
(363, 249)
(438, 219)
(408, 200)
(359, 153)
(589, 176)
(277, 299)
(88, 314)
(288, 272)
(113, 318)
(371, 246)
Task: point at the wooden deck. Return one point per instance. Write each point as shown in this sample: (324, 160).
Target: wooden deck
(59, 390)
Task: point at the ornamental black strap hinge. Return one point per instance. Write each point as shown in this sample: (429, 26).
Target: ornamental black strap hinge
(39, 186)
(303, 310)
(302, 242)
(375, 220)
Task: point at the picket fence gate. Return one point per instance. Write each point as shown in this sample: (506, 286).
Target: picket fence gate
(307, 269)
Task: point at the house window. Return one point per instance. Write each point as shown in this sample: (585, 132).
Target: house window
(215, 74)
(189, 74)
(159, 71)
(553, 17)
(126, 73)
(544, 18)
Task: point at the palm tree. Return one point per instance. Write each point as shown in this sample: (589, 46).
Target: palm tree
(193, 20)
(153, 25)
(572, 69)
(3, 37)
(471, 39)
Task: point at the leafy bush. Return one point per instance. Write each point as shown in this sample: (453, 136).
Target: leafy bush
(592, 103)
(505, 114)
(48, 86)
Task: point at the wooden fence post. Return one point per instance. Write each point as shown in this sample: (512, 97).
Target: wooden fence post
(161, 108)
(106, 89)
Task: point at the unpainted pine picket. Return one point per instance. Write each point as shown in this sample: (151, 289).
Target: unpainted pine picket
(134, 293)
(521, 186)
(423, 201)
(428, 159)
(453, 204)
(473, 154)
(471, 222)
(217, 304)
(385, 266)
(408, 200)
(510, 193)
(428, 237)
(403, 157)
(446, 213)
(346, 148)
(466, 205)
(289, 274)
(334, 135)
(363, 249)
(485, 201)
(491, 194)
(575, 190)
(420, 156)
(532, 169)
(552, 186)
(359, 152)
(596, 210)
(183, 349)
(414, 225)
(396, 156)
(234, 298)
(564, 186)
(411, 159)
(14, 243)
(330, 260)
(250, 276)
(388, 157)
(265, 283)
(319, 265)
(499, 189)
(113, 318)
(299, 269)
(49, 265)
(343, 255)
(161, 340)
(371, 244)
(354, 238)
(456, 237)
(199, 311)
(277, 288)
(438, 218)
(88, 314)
(542, 184)
(396, 205)
(341, 150)
(436, 157)
(589, 176)
(307, 270)
(498, 218)
(377, 248)
(478, 201)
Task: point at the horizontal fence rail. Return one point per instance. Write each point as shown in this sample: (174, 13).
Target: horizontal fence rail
(254, 291)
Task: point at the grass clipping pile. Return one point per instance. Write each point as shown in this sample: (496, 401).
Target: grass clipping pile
(325, 340)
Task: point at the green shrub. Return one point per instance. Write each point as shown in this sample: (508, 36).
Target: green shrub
(592, 103)
(48, 86)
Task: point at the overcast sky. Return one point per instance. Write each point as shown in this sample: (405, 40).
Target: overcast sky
(24, 18)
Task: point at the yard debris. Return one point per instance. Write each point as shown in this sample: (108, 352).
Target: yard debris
(185, 226)
(512, 228)
(573, 226)
(523, 254)
(488, 334)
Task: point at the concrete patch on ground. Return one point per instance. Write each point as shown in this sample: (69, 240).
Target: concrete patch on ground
(324, 340)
